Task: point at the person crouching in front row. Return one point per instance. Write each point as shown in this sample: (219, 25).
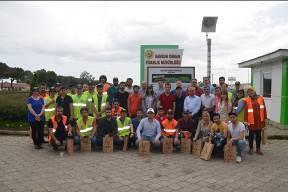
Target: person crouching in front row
(149, 129)
(59, 128)
(86, 126)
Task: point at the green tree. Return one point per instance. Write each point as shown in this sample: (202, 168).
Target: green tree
(27, 77)
(86, 77)
(51, 78)
(3, 72)
(15, 73)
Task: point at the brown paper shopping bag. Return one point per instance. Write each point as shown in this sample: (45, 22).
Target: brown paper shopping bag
(207, 151)
(144, 148)
(167, 145)
(85, 144)
(186, 146)
(107, 144)
(229, 153)
(70, 145)
(264, 135)
(197, 147)
(125, 146)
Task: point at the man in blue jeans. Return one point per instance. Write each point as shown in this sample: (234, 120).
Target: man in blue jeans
(236, 135)
(149, 129)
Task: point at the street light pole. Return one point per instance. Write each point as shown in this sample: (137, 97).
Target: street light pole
(209, 25)
(208, 56)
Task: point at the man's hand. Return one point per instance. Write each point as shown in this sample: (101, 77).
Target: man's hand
(156, 141)
(131, 135)
(37, 118)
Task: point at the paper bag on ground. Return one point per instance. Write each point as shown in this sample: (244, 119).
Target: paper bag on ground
(125, 145)
(70, 145)
(108, 144)
(207, 151)
(264, 135)
(85, 144)
(197, 147)
(167, 145)
(229, 153)
(186, 146)
(144, 148)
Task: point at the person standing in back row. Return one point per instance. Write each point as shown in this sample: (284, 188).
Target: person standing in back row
(134, 101)
(167, 99)
(66, 102)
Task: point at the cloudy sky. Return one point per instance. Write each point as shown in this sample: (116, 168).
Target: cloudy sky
(105, 37)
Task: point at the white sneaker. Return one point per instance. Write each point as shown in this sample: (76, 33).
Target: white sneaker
(238, 159)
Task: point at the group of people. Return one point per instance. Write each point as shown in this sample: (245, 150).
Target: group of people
(214, 113)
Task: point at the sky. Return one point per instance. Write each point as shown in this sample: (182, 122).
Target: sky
(105, 37)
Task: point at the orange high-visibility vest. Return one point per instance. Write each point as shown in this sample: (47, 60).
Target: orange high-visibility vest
(55, 125)
(118, 111)
(169, 127)
(249, 109)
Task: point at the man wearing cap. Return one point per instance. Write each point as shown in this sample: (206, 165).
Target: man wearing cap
(103, 81)
(101, 100)
(170, 127)
(134, 101)
(66, 102)
(237, 88)
(72, 90)
(166, 99)
(89, 96)
(179, 102)
(255, 115)
(79, 101)
(106, 125)
(149, 129)
(125, 127)
(112, 91)
(122, 96)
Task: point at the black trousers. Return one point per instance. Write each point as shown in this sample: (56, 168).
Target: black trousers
(252, 134)
(37, 128)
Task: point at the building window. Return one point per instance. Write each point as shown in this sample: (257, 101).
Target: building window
(267, 83)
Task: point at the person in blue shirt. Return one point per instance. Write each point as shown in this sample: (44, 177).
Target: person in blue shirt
(36, 118)
(135, 122)
(192, 103)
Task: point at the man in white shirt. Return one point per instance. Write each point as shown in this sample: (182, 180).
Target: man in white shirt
(236, 135)
(207, 101)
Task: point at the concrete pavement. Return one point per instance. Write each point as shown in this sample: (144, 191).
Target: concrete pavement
(22, 168)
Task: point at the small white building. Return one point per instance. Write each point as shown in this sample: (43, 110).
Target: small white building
(269, 77)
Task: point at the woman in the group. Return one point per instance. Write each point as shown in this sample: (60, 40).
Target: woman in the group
(203, 127)
(224, 106)
(36, 107)
(149, 100)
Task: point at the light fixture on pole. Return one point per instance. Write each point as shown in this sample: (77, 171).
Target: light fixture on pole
(209, 25)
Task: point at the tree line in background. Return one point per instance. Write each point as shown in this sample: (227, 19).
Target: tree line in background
(40, 76)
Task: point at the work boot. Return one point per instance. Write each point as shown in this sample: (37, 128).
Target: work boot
(250, 152)
(259, 152)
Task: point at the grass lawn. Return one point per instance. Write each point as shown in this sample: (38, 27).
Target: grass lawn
(13, 111)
